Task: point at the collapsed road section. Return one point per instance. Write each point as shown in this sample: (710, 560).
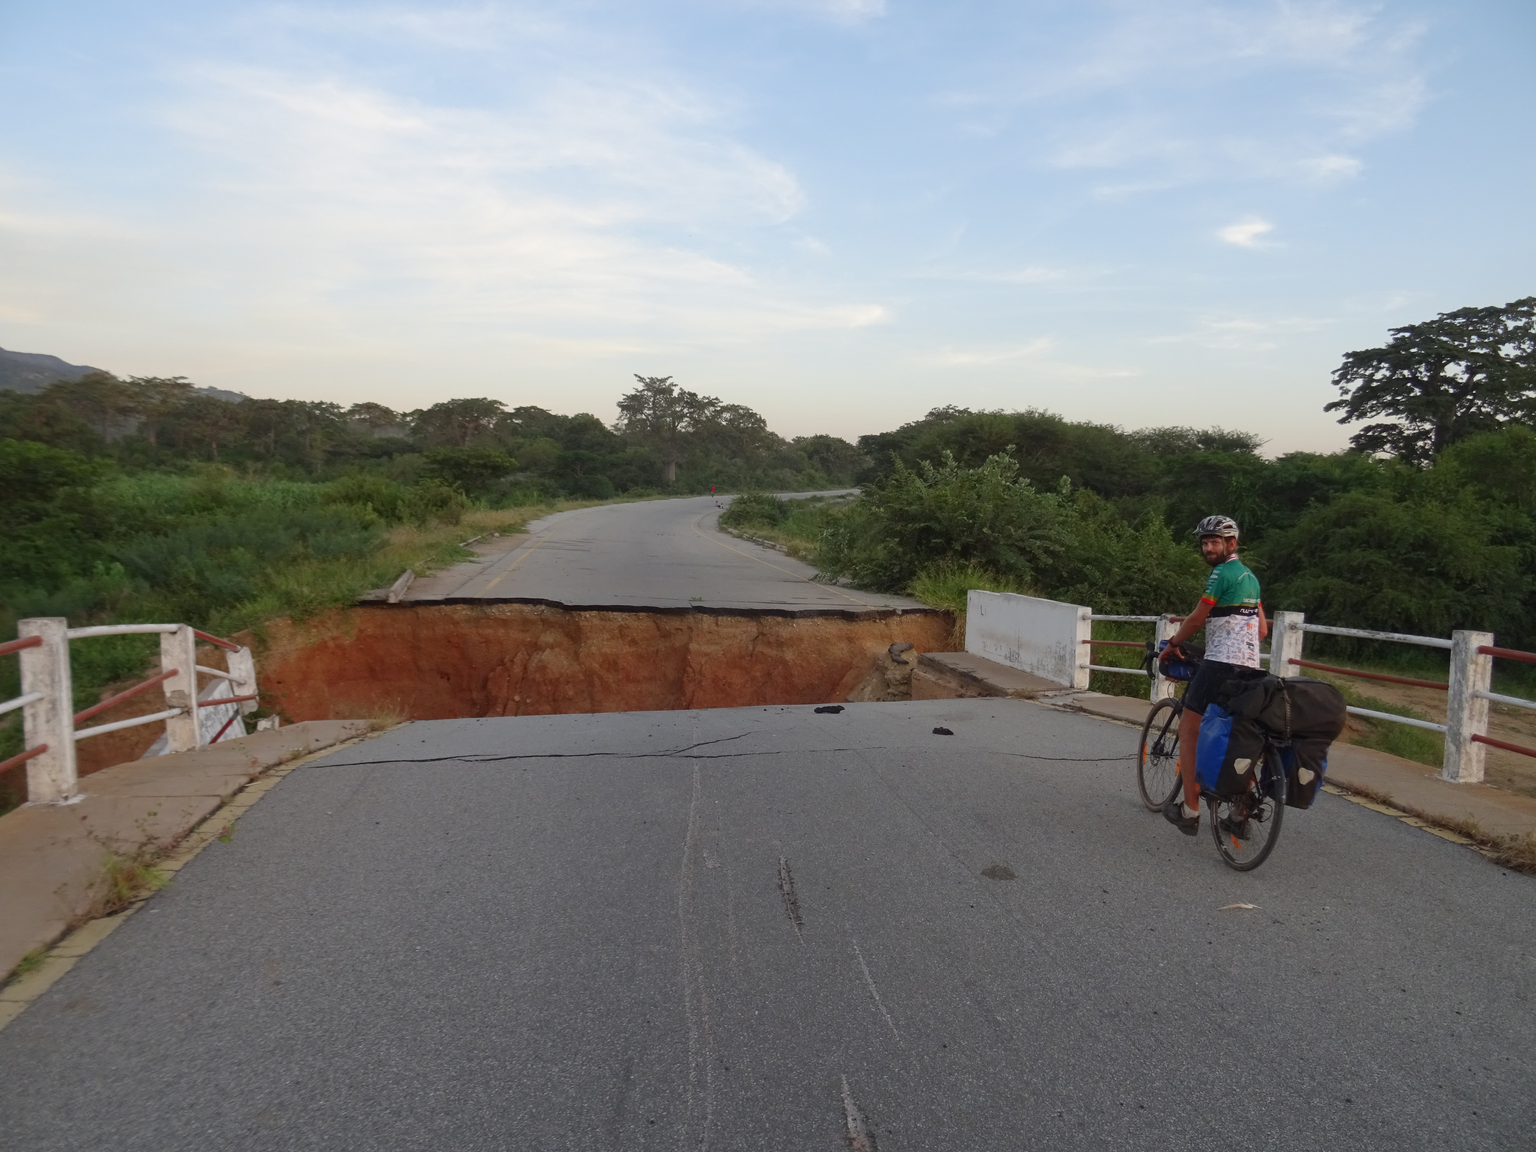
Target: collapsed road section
(437, 662)
(624, 607)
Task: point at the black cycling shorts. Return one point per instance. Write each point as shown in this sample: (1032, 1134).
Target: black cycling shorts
(1206, 683)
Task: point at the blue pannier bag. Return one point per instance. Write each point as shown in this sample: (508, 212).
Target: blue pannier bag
(1228, 752)
(1306, 763)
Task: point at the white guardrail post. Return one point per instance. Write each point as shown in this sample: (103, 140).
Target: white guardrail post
(1162, 687)
(178, 653)
(1466, 712)
(50, 720)
(242, 672)
(1286, 637)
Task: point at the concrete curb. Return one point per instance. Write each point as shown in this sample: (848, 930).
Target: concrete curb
(52, 855)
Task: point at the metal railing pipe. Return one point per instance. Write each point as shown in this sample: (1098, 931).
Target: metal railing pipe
(1517, 701)
(18, 761)
(131, 722)
(20, 702)
(1504, 744)
(119, 630)
(1506, 653)
(98, 709)
(1371, 634)
(1409, 720)
(1372, 675)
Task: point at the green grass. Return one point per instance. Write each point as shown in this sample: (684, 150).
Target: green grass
(1417, 744)
(947, 585)
(1110, 683)
(798, 525)
(28, 964)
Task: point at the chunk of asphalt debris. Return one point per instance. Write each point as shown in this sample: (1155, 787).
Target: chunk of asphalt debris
(834, 709)
(898, 648)
(942, 732)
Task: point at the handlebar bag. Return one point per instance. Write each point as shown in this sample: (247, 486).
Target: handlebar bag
(1175, 668)
(1228, 753)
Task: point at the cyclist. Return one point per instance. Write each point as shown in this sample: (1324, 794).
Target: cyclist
(1234, 622)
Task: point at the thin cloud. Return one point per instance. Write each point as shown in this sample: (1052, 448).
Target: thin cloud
(1165, 94)
(967, 358)
(531, 213)
(1245, 333)
(1245, 233)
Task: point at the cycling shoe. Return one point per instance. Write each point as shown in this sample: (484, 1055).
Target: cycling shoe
(1173, 812)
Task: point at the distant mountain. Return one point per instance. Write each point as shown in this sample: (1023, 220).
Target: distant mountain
(34, 371)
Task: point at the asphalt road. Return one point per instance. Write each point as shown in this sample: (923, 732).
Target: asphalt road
(655, 554)
(772, 929)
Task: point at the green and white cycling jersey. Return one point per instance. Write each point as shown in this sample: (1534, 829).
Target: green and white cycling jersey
(1232, 628)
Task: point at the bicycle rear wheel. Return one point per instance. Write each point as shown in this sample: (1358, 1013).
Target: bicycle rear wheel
(1246, 827)
(1157, 761)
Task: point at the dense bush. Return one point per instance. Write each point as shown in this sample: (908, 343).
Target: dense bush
(88, 543)
(935, 529)
(985, 515)
(756, 510)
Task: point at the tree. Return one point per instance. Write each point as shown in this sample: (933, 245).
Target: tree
(158, 397)
(208, 420)
(457, 422)
(375, 419)
(45, 418)
(100, 398)
(313, 421)
(739, 432)
(664, 417)
(835, 459)
(265, 421)
(471, 470)
(1441, 381)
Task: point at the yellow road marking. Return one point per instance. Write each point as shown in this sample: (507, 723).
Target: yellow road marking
(776, 568)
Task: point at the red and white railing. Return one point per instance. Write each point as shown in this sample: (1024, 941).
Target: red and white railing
(192, 718)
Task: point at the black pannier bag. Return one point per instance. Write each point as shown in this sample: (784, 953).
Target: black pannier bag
(1307, 714)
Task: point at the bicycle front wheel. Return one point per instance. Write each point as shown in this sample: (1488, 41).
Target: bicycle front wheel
(1246, 827)
(1157, 761)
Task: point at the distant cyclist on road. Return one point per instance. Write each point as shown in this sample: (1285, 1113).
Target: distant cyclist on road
(1234, 622)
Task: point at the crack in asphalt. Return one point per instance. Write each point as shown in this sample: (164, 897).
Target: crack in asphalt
(687, 752)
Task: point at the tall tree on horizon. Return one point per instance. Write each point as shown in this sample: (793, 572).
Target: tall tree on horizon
(664, 418)
(456, 422)
(1442, 380)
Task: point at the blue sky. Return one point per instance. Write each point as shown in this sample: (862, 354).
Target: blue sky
(840, 212)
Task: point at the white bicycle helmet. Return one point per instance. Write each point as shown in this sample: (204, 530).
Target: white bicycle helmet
(1217, 526)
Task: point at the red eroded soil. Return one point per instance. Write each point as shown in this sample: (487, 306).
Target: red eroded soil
(443, 661)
